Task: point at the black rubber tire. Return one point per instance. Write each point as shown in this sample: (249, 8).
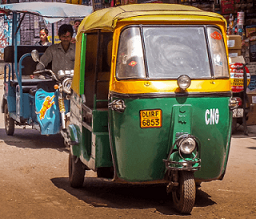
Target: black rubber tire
(8, 122)
(76, 171)
(185, 194)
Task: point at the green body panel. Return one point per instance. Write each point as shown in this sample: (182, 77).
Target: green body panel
(75, 136)
(100, 121)
(93, 144)
(82, 62)
(180, 121)
(100, 131)
(86, 144)
(103, 155)
(176, 157)
(139, 152)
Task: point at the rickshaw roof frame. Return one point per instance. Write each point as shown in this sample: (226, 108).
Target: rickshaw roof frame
(50, 11)
(106, 19)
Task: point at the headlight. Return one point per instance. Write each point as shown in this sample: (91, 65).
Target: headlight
(187, 145)
(184, 82)
(67, 72)
(66, 85)
(60, 74)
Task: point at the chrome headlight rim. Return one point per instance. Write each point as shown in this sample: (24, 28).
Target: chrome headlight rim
(67, 73)
(60, 74)
(184, 149)
(182, 139)
(66, 85)
(184, 82)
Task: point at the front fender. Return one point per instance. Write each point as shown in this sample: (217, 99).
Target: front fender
(190, 162)
(75, 139)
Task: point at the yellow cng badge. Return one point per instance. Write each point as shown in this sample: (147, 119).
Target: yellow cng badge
(151, 118)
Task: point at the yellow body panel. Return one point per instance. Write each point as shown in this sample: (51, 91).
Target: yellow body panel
(140, 87)
(76, 77)
(116, 18)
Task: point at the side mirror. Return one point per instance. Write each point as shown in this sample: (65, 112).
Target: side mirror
(35, 55)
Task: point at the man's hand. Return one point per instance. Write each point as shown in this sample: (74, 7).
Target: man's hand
(41, 77)
(73, 40)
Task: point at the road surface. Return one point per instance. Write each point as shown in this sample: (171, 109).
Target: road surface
(34, 184)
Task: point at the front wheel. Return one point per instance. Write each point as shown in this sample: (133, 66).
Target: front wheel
(8, 121)
(185, 194)
(76, 171)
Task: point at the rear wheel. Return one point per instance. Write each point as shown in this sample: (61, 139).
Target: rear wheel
(8, 121)
(185, 194)
(76, 171)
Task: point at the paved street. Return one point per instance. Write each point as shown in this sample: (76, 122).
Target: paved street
(34, 184)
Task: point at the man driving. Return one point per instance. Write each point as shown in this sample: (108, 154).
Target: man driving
(62, 55)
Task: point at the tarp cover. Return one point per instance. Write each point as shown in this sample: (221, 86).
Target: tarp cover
(50, 11)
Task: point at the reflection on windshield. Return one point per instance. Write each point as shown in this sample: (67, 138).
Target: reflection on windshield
(130, 62)
(218, 54)
(175, 51)
(170, 51)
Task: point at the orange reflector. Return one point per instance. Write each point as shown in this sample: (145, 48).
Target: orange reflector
(132, 63)
(56, 86)
(215, 35)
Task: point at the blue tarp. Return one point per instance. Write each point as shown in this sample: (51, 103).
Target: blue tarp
(50, 11)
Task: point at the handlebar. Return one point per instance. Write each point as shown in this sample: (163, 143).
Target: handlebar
(46, 70)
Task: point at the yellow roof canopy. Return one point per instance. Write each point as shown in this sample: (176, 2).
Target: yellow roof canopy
(106, 18)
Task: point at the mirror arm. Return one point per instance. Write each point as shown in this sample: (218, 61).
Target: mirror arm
(41, 64)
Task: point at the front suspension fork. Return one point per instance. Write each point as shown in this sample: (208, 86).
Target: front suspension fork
(173, 178)
(62, 111)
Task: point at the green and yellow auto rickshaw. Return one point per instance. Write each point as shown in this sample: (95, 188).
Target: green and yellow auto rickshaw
(151, 98)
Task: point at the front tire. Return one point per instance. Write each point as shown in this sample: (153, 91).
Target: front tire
(185, 194)
(76, 171)
(8, 121)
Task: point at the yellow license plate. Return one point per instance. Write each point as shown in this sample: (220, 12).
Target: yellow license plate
(151, 118)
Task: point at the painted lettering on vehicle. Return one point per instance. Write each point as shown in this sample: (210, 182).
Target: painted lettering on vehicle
(212, 116)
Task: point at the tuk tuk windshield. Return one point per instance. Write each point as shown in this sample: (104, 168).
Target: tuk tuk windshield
(166, 52)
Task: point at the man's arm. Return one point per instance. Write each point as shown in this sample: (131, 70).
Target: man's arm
(45, 59)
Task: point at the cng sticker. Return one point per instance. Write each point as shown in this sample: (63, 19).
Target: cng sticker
(212, 116)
